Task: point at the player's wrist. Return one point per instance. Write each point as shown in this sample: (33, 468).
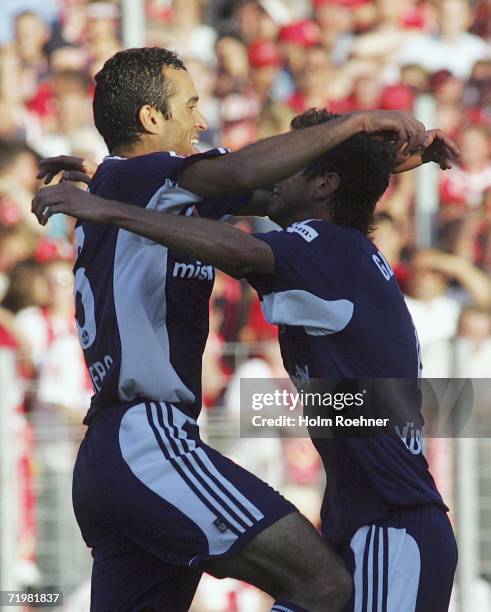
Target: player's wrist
(358, 121)
(109, 211)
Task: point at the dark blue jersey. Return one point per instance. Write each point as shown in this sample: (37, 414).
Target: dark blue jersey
(142, 310)
(341, 315)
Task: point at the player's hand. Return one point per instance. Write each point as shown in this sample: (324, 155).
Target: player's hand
(74, 169)
(436, 147)
(439, 148)
(69, 199)
(407, 132)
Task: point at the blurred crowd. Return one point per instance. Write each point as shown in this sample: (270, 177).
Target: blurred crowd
(256, 63)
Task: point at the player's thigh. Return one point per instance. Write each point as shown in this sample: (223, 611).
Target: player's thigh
(404, 565)
(128, 579)
(287, 555)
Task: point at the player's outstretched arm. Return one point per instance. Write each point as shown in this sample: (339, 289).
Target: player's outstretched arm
(271, 160)
(227, 248)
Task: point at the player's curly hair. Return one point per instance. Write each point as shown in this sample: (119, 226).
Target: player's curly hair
(364, 167)
(127, 81)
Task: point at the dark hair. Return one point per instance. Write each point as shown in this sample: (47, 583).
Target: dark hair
(126, 82)
(21, 289)
(364, 167)
(11, 149)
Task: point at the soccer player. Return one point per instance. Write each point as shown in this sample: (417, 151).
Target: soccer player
(157, 505)
(341, 315)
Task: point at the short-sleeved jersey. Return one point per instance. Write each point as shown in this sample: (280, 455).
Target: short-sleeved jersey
(341, 315)
(142, 310)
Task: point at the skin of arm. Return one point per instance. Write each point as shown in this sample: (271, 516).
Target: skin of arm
(269, 161)
(436, 146)
(227, 248)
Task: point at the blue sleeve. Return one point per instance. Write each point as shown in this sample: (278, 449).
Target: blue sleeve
(152, 181)
(312, 283)
(295, 252)
(311, 255)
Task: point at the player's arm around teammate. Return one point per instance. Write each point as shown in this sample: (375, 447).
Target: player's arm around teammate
(231, 250)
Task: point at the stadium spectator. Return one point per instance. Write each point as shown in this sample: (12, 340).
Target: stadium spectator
(434, 310)
(101, 33)
(17, 183)
(465, 184)
(468, 354)
(336, 22)
(453, 48)
(31, 37)
(27, 287)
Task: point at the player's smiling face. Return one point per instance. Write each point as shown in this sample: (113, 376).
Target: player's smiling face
(181, 132)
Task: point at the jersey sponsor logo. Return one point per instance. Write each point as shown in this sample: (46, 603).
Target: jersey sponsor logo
(383, 265)
(189, 270)
(308, 233)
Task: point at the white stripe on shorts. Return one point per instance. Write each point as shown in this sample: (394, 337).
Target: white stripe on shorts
(145, 459)
(183, 484)
(401, 581)
(198, 458)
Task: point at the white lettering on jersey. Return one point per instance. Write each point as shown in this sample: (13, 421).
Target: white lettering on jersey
(98, 371)
(383, 265)
(412, 437)
(301, 227)
(188, 270)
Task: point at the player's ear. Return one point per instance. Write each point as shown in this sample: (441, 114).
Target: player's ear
(326, 184)
(150, 119)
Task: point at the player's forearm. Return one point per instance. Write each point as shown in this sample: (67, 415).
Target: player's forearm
(269, 161)
(227, 248)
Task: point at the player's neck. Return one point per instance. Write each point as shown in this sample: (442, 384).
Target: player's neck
(135, 149)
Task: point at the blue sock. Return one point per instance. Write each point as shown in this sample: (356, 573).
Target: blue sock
(286, 606)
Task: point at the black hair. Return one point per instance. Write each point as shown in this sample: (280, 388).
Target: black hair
(127, 81)
(363, 165)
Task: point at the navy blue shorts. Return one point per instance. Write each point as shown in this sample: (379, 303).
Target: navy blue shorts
(152, 501)
(404, 564)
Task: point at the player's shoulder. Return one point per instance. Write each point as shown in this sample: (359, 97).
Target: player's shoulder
(159, 163)
(166, 164)
(136, 177)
